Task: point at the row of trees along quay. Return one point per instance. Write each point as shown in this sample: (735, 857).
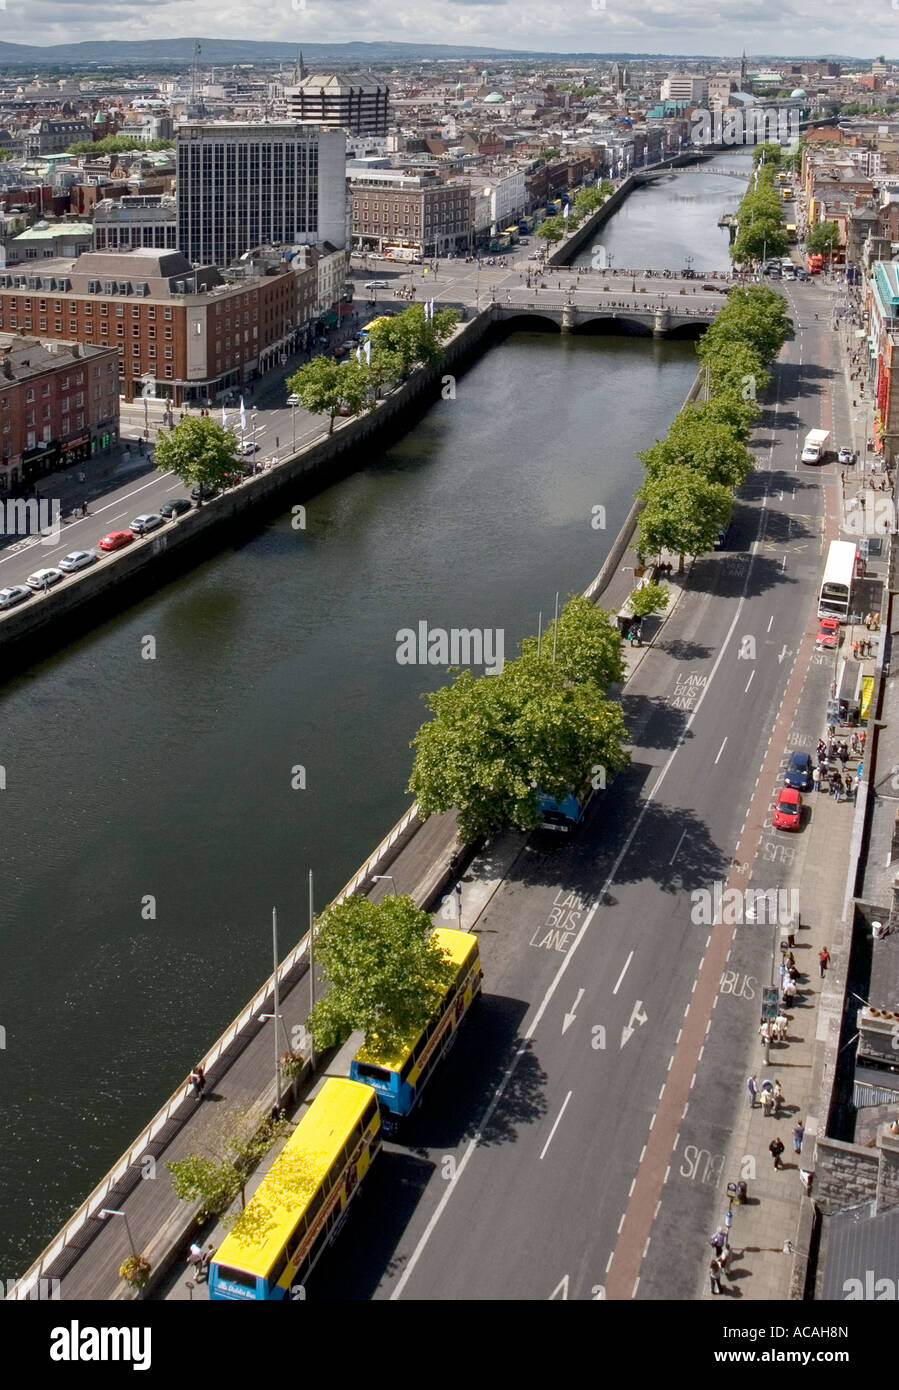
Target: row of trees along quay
(201, 451)
(585, 202)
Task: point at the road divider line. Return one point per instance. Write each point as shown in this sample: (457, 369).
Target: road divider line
(623, 972)
(556, 1125)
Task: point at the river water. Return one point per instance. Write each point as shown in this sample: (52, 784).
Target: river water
(169, 779)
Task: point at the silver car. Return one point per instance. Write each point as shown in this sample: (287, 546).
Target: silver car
(147, 521)
(77, 560)
(16, 593)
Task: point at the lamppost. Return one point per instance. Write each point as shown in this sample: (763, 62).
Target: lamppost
(293, 419)
(277, 1014)
(377, 877)
(110, 1211)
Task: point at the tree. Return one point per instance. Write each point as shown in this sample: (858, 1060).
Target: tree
(552, 229)
(585, 645)
(587, 200)
(5, 155)
(230, 1146)
(324, 385)
(697, 441)
(683, 513)
(197, 451)
(736, 369)
(756, 240)
(823, 238)
(119, 144)
(385, 369)
(731, 408)
(415, 339)
(769, 153)
(651, 598)
(494, 739)
(386, 974)
(753, 316)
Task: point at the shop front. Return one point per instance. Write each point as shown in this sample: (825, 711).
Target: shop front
(76, 450)
(41, 460)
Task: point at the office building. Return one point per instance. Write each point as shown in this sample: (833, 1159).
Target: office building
(242, 186)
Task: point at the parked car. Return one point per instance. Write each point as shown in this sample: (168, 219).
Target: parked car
(246, 446)
(77, 560)
(177, 507)
(827, 637)
(846, 456)
(799, 772)
(115, 540)
(293, 399)
(787, 813)
(44, 578)
(721, 538)
(15, 593)
(147, 521)
(201, 492)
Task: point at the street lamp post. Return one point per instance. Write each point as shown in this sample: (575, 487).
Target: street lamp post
(110, 1211)
(377, 877)
(293, 417)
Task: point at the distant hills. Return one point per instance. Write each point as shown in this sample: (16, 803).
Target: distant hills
(149, 52)
(229, 51)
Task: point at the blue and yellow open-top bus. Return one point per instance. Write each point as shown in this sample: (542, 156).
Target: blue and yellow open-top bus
(299, 1205)
(400, 1076)
(365, 331)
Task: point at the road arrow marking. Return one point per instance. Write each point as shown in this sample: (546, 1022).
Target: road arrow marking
(637, 1016)
(570, 1017)
(561, 1286)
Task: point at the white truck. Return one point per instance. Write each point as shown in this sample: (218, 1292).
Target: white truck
(813, 448)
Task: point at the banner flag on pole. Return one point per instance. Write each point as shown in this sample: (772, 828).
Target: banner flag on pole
(368, 351)
(243, 415)
(224, 419)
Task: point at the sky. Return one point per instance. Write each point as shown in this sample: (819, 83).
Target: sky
(810, 28)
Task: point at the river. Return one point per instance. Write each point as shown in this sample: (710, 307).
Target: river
(169, 779)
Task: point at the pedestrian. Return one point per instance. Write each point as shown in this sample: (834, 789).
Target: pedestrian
(850, 787)
(778, 1098)
(823, 961)
(718, 1241)
(198, 1081)
(753, 1089)
(781, 1023)
(776, 1148)
(836, 790)
(81, 476)
(715, 1276)
(798, 1136)
(767, 1102)
(789, 993)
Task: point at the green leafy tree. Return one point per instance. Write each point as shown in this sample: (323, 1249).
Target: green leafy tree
(823, 238)
(731, 408)
(494, 739)
(230, 1145)
(736, 370)
(767, 153)
(706, 445)
(587, 200)
(683, 513)
(119, 144)
(324, 385)
(5, 155)
(753, 316)
(585, 645)
(756, 240)
(384, 970)
(417, 341)
(552, 229)
(197, 450)
(385, 369)
(652, 598)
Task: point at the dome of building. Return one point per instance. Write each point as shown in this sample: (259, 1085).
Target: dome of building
(494, 97)
(798, 94)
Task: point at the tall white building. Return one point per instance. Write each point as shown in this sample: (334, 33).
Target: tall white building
(241, 186)
(683, 87)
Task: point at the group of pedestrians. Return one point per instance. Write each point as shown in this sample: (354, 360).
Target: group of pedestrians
(832, 766)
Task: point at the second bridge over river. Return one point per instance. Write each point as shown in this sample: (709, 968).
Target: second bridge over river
(658, 316)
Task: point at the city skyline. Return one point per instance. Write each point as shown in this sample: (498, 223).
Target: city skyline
(683, 28)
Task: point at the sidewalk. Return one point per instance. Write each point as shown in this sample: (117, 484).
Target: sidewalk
(764, 1229)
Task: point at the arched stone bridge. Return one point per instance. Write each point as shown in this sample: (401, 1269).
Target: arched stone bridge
(675, 317)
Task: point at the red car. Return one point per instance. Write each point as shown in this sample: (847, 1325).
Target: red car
(115, 540)
(828, 635)
(787, 809)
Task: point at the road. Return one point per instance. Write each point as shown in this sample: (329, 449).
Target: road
(519, 1179)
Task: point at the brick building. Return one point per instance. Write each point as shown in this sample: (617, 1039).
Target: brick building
(191, 330)
(59, 404)
(418, 212)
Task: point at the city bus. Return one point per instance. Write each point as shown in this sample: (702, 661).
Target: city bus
(399, 1075)
(365, 332)
(299, 1206)
(836, 586)
(563, 815)
(792, 233)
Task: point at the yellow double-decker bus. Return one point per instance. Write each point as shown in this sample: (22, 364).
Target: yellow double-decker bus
(302, 1201)
(400, 1075)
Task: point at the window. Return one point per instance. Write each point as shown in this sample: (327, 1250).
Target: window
(57, 324)
(120, 311)
(120, 330)
(29, 394)
(168, 311)
(168, 352)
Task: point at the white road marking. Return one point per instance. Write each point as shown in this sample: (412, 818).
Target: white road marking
(556, 1125)
(677, 847)
(623, 972)
(749, 682)
(770, 621)
(721, 749)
